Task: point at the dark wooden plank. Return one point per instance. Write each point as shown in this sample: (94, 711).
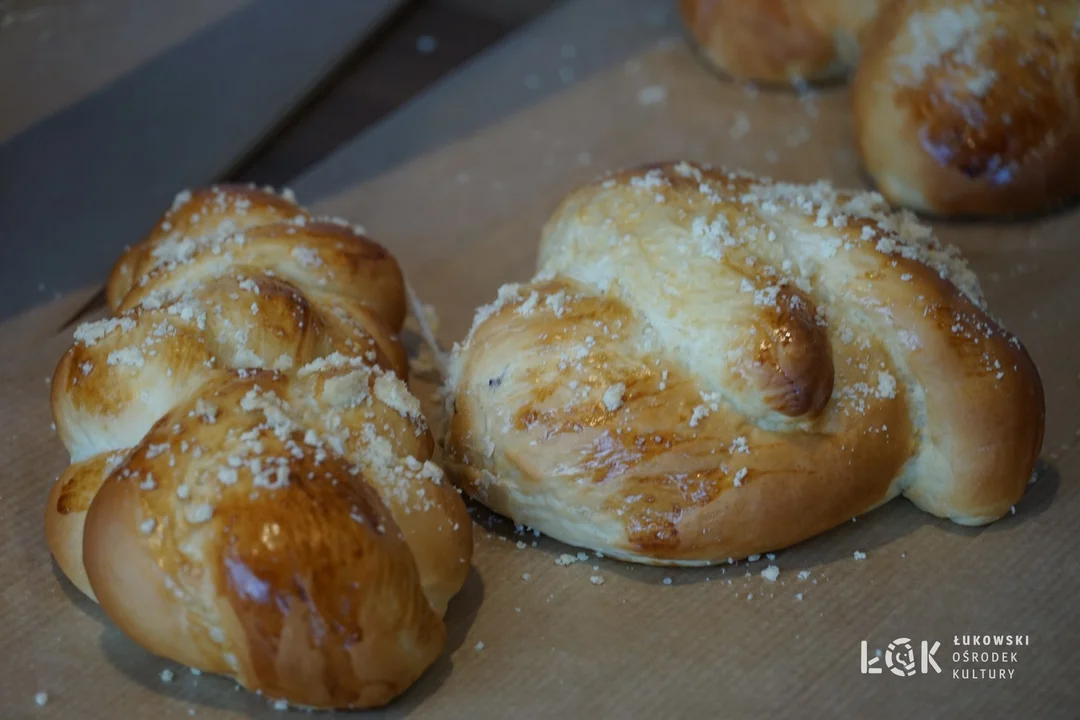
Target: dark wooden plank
(508, 12)
(415, 51)
(54, 54)
(569, 43)
(79, 185)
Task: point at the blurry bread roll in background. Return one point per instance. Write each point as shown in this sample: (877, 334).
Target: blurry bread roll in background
(779, 41)
(965, 107)
(961, 107)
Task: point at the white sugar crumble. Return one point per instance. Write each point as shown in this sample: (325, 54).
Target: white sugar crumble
(886, 387)
(613, 396)
(652, 95)
(392, 392)
(90, 333)
(529, 306)
(205, 410)
(197, 514)
(936, 34)
(740, 126)
(306, 256)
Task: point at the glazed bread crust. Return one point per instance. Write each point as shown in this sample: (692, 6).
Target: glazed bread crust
(251, 489)
(710, 365)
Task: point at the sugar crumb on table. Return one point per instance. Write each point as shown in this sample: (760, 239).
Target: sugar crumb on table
(652, 95)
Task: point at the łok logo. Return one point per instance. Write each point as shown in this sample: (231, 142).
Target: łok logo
(900, 658)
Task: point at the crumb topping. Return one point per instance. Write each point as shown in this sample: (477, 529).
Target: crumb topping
(199, 277)
(90, 333)
(936, 34)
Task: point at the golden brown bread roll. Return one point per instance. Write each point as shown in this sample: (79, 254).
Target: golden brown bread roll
(972, 107)
(779, 41)
(709, 365)
(962, 107)
(251, 489)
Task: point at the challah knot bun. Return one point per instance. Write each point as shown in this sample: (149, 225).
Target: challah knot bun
(251, 489)
(711, 365)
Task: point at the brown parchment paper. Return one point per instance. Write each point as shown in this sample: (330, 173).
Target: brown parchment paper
(529, 638)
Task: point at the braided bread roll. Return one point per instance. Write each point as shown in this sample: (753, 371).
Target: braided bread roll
(972, 107)
(709, 365)
(251, 489)
(780, 41)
